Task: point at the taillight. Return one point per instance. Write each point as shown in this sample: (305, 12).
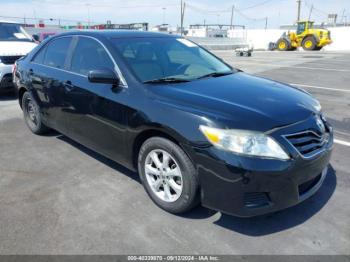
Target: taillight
(14, 67)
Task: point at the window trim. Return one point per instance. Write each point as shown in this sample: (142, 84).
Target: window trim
(116, 67)
(74, 40)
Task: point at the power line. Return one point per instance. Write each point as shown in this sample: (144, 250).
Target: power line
(315, 9)
(206, 11)
(257, 5)
(247, 17)
(44, 19)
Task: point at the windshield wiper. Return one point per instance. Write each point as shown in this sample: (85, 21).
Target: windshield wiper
(216, 74)
(167, 80)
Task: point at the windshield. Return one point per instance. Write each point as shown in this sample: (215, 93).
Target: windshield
(168, 58)
(13, 32)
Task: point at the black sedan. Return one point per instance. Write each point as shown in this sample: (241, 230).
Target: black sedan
(195, 129)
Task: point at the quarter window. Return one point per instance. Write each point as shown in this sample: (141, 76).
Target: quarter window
(89, 55)
(56, 52)
(39, 57)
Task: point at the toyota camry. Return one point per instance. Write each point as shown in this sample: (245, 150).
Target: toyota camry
(197, 130)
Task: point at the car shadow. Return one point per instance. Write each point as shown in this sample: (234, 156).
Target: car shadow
(254, 226)
(108, 162)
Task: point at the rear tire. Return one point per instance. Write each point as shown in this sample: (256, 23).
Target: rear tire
(32, 115)
(309, 43)
(168, 175)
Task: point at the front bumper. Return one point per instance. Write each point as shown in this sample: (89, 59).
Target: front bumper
(246, 186)
(6, 77)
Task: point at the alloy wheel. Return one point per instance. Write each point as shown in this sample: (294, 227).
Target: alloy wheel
(163, 175)
(31, 112)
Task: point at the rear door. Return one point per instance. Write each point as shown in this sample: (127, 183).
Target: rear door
(95, 112)
(47, 73)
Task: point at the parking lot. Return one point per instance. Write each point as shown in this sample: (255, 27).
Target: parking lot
(57, 197)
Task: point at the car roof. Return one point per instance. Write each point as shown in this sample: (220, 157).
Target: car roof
(8, 22)
(118, 34)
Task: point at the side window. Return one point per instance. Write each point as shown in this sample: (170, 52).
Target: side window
(89, 55)
(301, 28)
(39, 57)
(56, 52)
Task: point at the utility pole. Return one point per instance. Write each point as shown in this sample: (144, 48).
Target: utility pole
(88, 9)
(164, 9)
(299, 9)
(183, 7)
(343, 16)
(266, 19)
(311, 9)
(181, 20)
(232, 13)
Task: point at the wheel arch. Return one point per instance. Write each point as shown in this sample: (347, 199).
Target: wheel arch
(155, 132)
(311, 35)
(21, 91)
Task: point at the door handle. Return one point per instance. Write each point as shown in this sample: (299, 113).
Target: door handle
(68, 86)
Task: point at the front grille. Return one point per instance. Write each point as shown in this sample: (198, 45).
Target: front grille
(256, 199)
(305, 187)
(308, 143)
(9, 60)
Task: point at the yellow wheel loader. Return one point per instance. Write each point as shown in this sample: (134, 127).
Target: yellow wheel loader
(306, 37)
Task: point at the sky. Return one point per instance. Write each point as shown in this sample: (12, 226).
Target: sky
(251, 13)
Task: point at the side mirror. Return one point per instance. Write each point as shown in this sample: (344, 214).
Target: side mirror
(36, 38)
(103, 76)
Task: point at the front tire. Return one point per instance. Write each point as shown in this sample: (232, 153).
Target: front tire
(283, 45)
(32, 115)
(168, 175)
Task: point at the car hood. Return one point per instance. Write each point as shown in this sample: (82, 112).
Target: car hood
(15, 48)
(240, 101)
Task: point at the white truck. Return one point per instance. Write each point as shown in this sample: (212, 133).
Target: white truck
(14, 43)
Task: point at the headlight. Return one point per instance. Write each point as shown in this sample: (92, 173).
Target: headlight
(318, 106)
(244, 142)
